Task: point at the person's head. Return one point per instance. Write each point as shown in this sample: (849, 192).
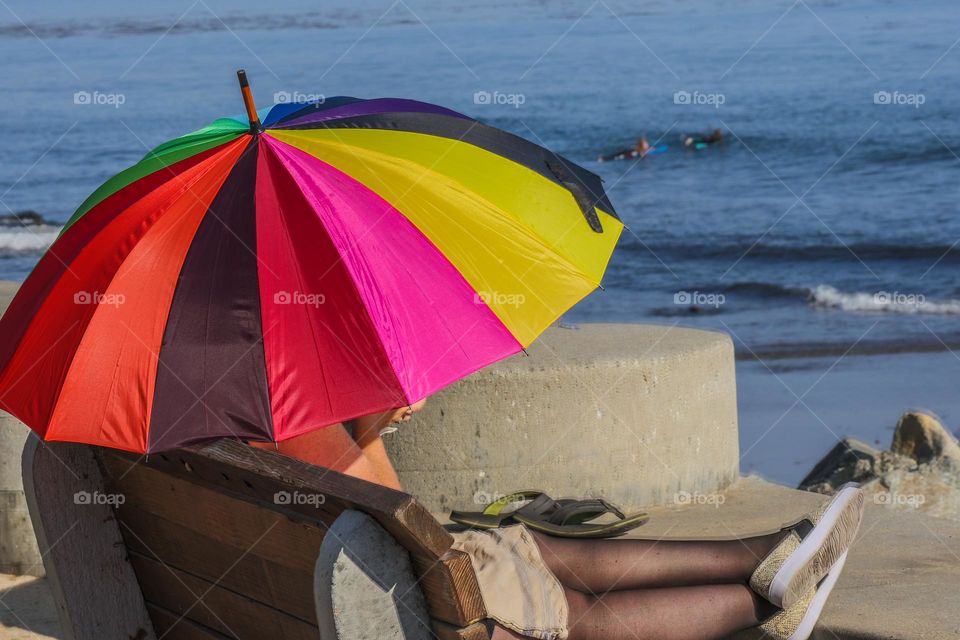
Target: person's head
(717, 133)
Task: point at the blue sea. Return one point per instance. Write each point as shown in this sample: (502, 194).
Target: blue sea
(822, 234)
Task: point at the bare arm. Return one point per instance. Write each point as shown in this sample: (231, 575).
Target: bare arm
(333, 448)
(366, 432)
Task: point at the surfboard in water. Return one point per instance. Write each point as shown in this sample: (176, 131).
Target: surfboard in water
(630, 154)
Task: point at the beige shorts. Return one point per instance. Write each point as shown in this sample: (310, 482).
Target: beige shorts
(518, 589)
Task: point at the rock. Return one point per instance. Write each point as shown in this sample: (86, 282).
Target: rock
(922, 437)
(849, 461)
(22, 218)
(921, 473)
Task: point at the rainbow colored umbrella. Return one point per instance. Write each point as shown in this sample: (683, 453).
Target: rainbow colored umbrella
(327, 260)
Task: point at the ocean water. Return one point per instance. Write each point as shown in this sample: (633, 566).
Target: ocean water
(826, 224)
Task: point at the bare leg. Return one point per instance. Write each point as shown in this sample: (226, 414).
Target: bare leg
(679, 613)
(597, 566)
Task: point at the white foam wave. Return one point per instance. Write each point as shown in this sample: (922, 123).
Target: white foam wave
(881, 302)
(27, 239)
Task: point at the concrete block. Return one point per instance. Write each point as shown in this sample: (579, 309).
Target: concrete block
(19, 554)
(638, 414)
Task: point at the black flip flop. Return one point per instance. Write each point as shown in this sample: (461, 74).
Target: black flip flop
(564, 518)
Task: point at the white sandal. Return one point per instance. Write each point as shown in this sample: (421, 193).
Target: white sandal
(797, 622)
(813, 546)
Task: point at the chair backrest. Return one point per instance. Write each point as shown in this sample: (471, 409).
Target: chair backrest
(222, 540)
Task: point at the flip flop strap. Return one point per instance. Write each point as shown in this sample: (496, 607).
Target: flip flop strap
(539, 502)
(580, 511)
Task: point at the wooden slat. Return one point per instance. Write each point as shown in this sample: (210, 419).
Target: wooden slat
(204, 556)
(93, 585)
(267, 533)
(258, 474)
(172, 627)
(215, 607)
(450, 587)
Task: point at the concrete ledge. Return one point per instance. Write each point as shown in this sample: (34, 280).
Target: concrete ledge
(19, 554)
(638, 414)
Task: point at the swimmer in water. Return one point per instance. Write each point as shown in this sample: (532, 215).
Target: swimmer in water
(705, 139)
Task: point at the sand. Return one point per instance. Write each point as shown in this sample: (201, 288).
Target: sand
(26, 609)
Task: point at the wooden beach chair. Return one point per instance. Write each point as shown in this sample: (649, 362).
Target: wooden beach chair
(227, 541)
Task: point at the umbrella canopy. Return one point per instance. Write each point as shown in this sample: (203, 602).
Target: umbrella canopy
(272, 274)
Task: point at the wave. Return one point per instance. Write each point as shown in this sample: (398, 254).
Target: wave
(822, 296)
(188, 24)
(26, 240)
(828, 297)
(798, 252)
(766, 290)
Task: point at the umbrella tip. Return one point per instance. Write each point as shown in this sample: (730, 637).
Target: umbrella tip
(248, 101)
